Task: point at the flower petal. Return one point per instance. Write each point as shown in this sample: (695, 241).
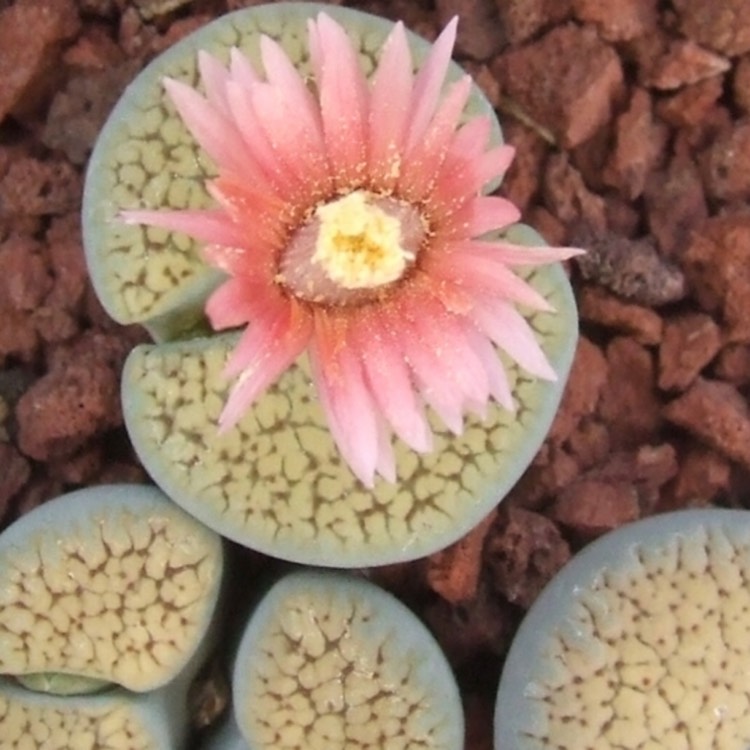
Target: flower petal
(389, 108)
(209, 225)
(232, 303)
(343, 102)
(512, 255)
(215, 78)
(509, 330)
(483, 214)
(349, 407)
(429, 82)
(268, 350)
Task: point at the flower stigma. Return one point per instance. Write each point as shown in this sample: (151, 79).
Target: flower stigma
(359, 244)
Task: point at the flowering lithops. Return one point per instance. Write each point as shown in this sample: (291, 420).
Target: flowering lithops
(329, 661)
(641, 641)
(349, 218)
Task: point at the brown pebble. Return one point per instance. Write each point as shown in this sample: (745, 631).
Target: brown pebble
(40, 188)
(689, 343)
(618, 21)
(723, 26)
(453, 573)
(726, 165)
(521, 182)
(717, 265)
(596, 305)
(741, 84)
(715, 413)
(589, 443)
(522, 19)
(593, 506)
(703, 475)
(566, 195)
(691, 105)
(630, 405)
(568, 81)
(479, 34)
(24, 277)
(582, 391)
(733, 364)
(552, 469)
(32, 33)
(675, 205)
(686, 62)
(523, 552)
(639, 146)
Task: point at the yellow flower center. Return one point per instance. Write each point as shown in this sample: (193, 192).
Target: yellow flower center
(359, 245)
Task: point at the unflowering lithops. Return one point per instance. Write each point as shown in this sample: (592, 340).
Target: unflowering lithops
(398, 361)
(331, 662)
(642, 641)
(109, 585)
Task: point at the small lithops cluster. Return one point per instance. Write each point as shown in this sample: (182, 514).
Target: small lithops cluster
(640, 642)
(107, 603)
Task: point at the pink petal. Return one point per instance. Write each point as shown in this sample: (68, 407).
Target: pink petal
(349, 407)
(214, 77)
(512, 255)
(483, 276)
(498, 378)
(242, 70)
(493, 164)
(425, 159)
(214, 132)
(389, 108)
(267, 351)
(482, 214)
(343, 102)
(210, 225)
(429, 82)
(509, 330)
(231, 304)
(390, 383)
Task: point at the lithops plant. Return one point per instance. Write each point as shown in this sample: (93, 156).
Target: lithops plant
(329, 661)
(252, 178)
(108, 585)
(641, 641)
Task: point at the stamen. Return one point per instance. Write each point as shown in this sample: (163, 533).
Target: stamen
(359, 245)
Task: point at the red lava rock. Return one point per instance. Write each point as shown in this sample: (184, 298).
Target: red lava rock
(454, 572)
(629, 404)
(593, 506)
(32, 33)
(733, 364)
(634, 269)
(639, 145)
(722, 26)
(521, 182)
(620, 21)
(715, 413)
(675, 205)
(589, 444)
(548, 226)
(690, 342)
(622, 218)
(703, 475)
(39, 188)
(94, 49)
(686, 62)
(18, 336)
(568, 81)
(24, 276)
(522, 19)
(567, 197)
(741, 85)
(726, 166)
(523, 552)
(552, 469)
(717, 265)
(480, 36)
(15, 472)
(595, 305)
(68, 264)
(587, 377)
(691, 105)
(78, 399)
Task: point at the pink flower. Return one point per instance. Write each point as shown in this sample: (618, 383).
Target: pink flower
(349, 221)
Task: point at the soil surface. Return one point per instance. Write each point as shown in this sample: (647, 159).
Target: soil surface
(632, 124)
